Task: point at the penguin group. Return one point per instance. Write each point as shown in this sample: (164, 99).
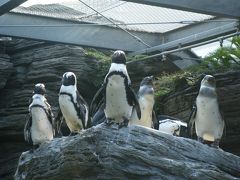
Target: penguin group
(117, 103)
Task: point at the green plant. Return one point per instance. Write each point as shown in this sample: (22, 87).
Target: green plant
(225, 57)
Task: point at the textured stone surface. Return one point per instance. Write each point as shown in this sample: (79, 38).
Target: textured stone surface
(33, 62)
(180, 103)
(6, 68)
(134, 152)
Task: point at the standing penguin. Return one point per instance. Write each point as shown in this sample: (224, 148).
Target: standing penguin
(209, 123)
(116, 93)
(146, 102)
(73, 107)
(39, 125)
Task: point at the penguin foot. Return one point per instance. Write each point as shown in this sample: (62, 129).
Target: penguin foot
(108, 121)
(124, 123)
(201, 140)
(34, 148)
(215, 144)
(73, 133)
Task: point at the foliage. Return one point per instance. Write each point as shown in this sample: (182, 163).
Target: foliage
(222, 60)
(90, 52)
(104, 59)
(225, 57)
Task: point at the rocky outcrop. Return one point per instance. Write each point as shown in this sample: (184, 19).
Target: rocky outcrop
(180, 103)
(133, 152)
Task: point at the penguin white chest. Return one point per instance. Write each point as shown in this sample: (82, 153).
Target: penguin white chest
(41, 129)
(209, 123)
(117, 105)
(146, 103)
(70, 114)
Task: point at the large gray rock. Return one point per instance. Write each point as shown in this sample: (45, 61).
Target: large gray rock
(132, 152)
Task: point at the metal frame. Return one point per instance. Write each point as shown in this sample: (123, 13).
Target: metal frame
(72, 32)
(7, 5)
(62, 31)
(220, 8)
(193, 34)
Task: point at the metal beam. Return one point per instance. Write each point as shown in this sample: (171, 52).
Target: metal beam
(7, 5)
(193, 34)
(221, 8)
(62, 31)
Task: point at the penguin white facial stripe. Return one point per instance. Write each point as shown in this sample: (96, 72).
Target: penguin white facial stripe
(38, 99)
(118, 68)
(69, 89)
(68, 74)
(40, 85)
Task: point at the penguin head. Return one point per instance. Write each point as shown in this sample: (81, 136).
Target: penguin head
(208, 80)
(69, 79)
(147, 81)
(39, 89)
(146, 86)
(119, 57)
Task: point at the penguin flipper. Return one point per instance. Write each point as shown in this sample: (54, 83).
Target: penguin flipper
(99, 116)
(98, 100)
(58, 124)
(83, 110)
(49, 112)
(133, 100)
(155, 120)
(50, 116)
(191, 121)
(27, 129)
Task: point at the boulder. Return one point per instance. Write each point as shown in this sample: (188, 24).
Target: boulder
(133, 152)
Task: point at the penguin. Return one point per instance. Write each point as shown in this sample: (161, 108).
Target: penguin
(116, 93)
(39, 124)
(146, 102)
(173, 126)
(209, 124)
(73, 108)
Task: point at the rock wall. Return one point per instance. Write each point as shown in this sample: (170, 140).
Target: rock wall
(180, 103)
(23, 64)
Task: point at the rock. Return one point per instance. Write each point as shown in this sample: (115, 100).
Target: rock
(33, 62)
(133, 152)
(6, 68)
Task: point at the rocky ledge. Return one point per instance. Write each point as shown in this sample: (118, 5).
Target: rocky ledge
(132, 152)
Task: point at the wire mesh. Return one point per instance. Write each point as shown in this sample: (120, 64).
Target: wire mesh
(131, 16)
